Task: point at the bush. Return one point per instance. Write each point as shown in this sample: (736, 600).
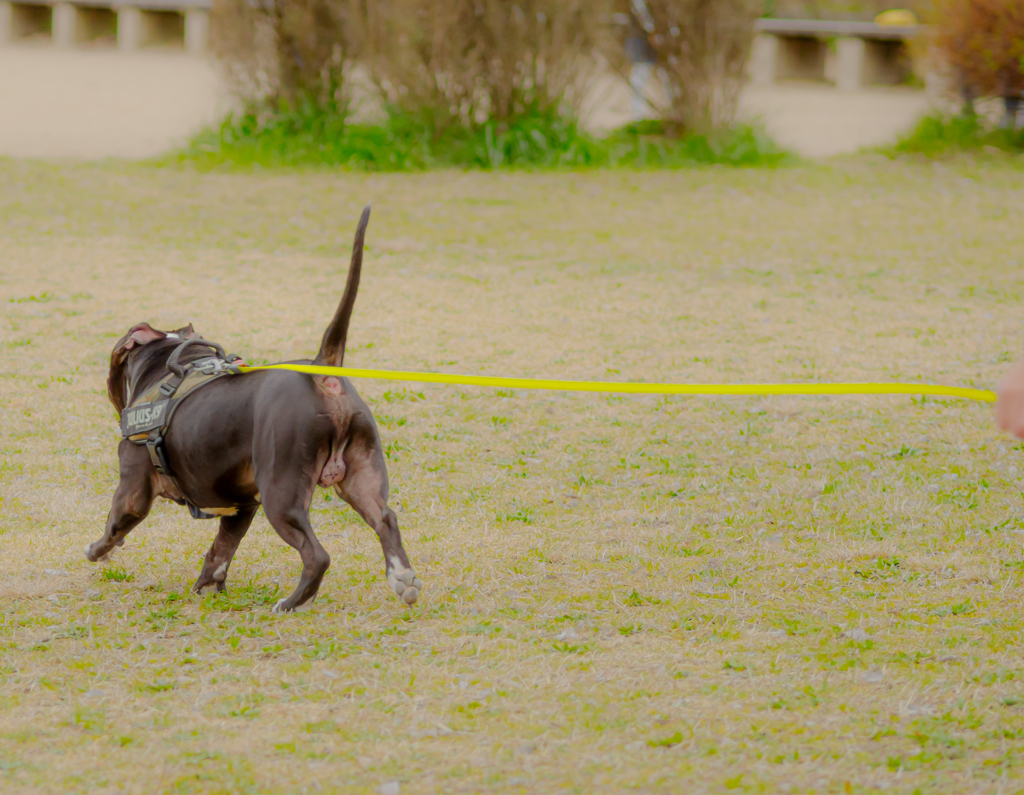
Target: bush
(311, 137)
(307, 135)
(284, 52)
(475, 64)
(473, 83)
(981, 42)
(646, 145)
(470, 62)
(701, 48)
(940, 135)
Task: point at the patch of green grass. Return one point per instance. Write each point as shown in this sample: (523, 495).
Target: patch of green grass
(940, 135)
(308, 136)
(518, 513)
(638, 600)
(647, 145)
(89, 720)
(242, 706)
(116, 574)
(243, 597)
(961, 608)
(666, 742)
(484, 628)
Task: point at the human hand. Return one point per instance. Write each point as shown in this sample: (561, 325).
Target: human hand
(1010, 403)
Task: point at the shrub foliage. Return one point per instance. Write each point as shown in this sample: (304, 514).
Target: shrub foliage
(284, 52)
(982, 43)
(701, 49)
(472, 61)
(478, 83)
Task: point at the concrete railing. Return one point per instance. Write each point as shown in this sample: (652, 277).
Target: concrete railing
(128, 24)
(864, 53)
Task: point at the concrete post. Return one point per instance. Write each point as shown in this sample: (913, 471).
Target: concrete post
(129, 28)
(64, 19)
(764, 60)
(6, 22)
(851, 54)
(197, 30)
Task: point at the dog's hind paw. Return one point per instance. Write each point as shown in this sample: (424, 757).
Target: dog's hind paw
(405, 584)
(92, 553)
(279, 607)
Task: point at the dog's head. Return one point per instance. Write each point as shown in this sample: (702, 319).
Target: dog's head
(132, 354)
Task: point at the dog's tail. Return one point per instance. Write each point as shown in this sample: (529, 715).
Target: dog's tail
(332, 349)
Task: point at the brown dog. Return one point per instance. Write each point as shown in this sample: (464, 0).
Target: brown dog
(264, 438)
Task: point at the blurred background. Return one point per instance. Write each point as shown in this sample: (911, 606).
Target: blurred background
(389, 83)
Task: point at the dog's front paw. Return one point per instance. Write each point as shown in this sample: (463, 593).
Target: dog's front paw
(281, 608)
(405, 584)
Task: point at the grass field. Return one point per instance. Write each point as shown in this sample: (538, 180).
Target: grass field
(659, 595)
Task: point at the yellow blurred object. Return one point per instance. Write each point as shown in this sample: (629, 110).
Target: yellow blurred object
(897, 16)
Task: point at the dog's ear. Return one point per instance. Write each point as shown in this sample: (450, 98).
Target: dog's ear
(117, 388)
(186, 332)
(138, 335)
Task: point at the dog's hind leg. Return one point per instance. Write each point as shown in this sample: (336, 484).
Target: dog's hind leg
(290, 518)
(365, 488)
(229, 536)
(132, 500)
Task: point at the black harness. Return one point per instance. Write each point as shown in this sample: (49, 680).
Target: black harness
(146, 418)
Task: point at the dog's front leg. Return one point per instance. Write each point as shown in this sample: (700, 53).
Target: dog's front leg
(229, 536)
(132, 500)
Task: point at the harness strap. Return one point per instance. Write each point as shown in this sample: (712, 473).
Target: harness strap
(147, 418)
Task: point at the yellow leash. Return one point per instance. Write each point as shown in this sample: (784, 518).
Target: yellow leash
(984, 395)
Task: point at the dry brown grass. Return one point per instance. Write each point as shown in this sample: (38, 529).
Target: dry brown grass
(620, 593)
(469, 61)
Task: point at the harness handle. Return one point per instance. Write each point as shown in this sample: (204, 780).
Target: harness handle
(179, 370)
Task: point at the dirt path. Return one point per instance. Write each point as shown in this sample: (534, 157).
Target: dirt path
(102, 103)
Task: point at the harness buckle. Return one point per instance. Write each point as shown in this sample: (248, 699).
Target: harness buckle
(210, 366)
(158, 454)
